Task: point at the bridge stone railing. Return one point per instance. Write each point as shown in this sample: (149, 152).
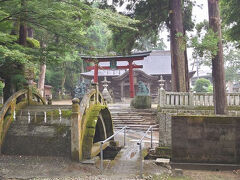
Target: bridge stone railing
(17, 101)
(85, 115)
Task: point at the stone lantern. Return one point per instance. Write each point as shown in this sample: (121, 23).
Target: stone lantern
(105, 92)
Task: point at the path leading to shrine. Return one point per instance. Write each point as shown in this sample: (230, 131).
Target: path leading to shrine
(125, 166)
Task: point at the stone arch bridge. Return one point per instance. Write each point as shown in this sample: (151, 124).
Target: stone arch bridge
(89, 123)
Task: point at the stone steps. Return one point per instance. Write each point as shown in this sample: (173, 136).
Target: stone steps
(135, 119)
(136, 127)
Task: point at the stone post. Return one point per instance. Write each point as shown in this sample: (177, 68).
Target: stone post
(162, 93)
(191, 99)
(95, 86)
(75, 131)
(29, 94)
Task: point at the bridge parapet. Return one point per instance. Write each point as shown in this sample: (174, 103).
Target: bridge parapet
(17, 101)
(91, 122)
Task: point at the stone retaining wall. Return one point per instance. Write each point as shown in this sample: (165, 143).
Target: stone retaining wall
(206, 139)
(164, 117)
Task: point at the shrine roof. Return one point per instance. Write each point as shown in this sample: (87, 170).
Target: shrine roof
(157, 63)
(135, 56)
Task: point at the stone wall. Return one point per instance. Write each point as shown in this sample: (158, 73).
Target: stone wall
(165, 124)
(206, 139)
(164, 117)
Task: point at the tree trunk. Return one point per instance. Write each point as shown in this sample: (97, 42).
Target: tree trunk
(41, 80)
(178, 46)
(30, 32)
(62, 85)
(186, 65)
(23, 26)
(42, 74)
(218, 73)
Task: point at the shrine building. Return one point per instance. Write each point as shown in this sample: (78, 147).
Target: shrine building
(124, 72)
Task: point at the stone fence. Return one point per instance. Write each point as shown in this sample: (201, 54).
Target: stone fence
(185, 99)
(168, 99)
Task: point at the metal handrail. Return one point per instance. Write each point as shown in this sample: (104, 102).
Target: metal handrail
(109, 138)
(140, 147)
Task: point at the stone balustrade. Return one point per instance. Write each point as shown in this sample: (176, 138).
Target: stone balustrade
(168, 99)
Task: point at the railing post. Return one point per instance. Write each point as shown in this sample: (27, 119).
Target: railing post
(141, 163)
(161, 93)
(29, 94)
(101, 157)
(151, 137)
(191, 103)
(76, 152)
(124, 140)
(95, 86)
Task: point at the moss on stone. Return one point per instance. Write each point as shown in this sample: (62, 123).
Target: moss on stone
(21, 105)
(163, 151)
(88, 133)
(55, 113)
(61, 129)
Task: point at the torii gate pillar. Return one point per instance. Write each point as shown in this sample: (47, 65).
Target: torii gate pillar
(95, 79)
(131, 81)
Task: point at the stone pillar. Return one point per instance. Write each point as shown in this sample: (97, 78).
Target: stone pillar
(29, 94)
(165, 124)
(95, 86)
(162, 93)
(76, 152)
(105, 92)
(191, 99)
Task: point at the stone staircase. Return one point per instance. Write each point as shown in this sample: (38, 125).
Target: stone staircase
(33, 134)
(135, 119)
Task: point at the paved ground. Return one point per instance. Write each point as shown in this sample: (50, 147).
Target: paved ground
(125, 166)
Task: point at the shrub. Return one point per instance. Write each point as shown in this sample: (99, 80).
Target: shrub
(202, 85)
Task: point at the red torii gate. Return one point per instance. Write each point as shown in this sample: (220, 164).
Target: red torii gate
(113, 60)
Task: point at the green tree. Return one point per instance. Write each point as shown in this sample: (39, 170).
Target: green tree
(202, 85)
(218, 73)
(231, 19)
(232, 64)
(59, 26)
(1, 88)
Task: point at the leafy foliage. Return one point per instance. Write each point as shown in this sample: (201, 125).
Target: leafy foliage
(203, 85)
(1, 88)
(205, 43)
(62, 30)
(153, 15)
(232, 64)
(231, 19)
